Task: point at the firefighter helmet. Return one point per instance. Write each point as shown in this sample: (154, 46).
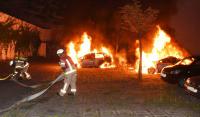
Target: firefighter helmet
(60, 51)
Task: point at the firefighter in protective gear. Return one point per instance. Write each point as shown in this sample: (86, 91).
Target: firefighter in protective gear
(21, 66)
(70, 73)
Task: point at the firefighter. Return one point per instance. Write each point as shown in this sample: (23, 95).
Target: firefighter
(70, 73)
(21, 66)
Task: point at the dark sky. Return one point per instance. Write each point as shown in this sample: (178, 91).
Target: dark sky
(187, 25)
(81, 10)
(99, 13)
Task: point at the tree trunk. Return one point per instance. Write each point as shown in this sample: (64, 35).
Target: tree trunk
(117, 45)
(140, 63)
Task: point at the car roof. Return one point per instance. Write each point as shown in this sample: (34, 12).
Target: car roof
(95, 53)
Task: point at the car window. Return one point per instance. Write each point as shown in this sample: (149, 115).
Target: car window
(187, 61)
(89, 56)
(165, 60)
(174, 60)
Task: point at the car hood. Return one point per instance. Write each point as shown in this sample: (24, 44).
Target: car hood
(174, 67)
(195, 79)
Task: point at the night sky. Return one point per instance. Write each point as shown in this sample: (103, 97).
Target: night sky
(79, 11)
(186, 23)
(99, 15)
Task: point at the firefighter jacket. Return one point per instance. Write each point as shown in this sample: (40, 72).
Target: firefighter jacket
(66, 63)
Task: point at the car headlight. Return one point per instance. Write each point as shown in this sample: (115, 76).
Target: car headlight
(175, 72)
(11, 63)
(188, 81)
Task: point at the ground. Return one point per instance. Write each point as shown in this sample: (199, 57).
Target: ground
(101, 93)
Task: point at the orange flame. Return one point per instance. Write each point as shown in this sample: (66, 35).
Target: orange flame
(162, 47)
(85, 48)
(72, 52)
(106, 64)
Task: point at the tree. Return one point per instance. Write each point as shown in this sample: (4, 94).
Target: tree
(7, 37)
(6, 31)
(26, 40)
(35, 41)
(139, 21)
(24, 36)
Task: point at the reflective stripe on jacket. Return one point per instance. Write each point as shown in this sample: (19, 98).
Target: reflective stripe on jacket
(67, 63)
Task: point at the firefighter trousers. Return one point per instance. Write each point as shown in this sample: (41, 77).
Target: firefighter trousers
(69, 81)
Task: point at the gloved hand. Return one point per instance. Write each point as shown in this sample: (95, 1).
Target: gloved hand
(62, 64)
(65, 74)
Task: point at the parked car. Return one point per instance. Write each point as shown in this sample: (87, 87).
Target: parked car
(178, 73)
(94, 60)
(192, 86)
(170, 60)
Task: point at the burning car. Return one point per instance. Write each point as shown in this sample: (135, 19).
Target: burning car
(192, 86)
(94, 60)
(178, 73)
(170, 60)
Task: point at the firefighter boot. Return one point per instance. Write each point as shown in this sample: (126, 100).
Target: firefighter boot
(63, 90)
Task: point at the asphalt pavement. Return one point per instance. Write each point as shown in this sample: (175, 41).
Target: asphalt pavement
(101, 93)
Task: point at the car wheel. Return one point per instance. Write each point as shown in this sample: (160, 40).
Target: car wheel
(181, 82)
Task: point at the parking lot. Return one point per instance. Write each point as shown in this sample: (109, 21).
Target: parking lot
(101, 93)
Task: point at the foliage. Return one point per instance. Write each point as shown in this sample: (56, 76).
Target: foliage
(135, 19)
(6, 31)
(26, 37)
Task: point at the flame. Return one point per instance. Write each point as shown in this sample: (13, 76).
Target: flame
(106, 64)
(162, 47)
(72, 52)
(85, 48)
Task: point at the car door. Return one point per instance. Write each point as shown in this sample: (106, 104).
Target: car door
(88, 60)
(91, 60)
(187, 67)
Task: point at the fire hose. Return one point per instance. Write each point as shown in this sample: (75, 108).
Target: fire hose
(33, 96)
(12, 77)
(5, 78)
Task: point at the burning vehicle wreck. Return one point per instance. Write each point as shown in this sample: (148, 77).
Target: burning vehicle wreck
(164, 52)
(178, 73)
(160, 64)
(94, 60)
(85, 56)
